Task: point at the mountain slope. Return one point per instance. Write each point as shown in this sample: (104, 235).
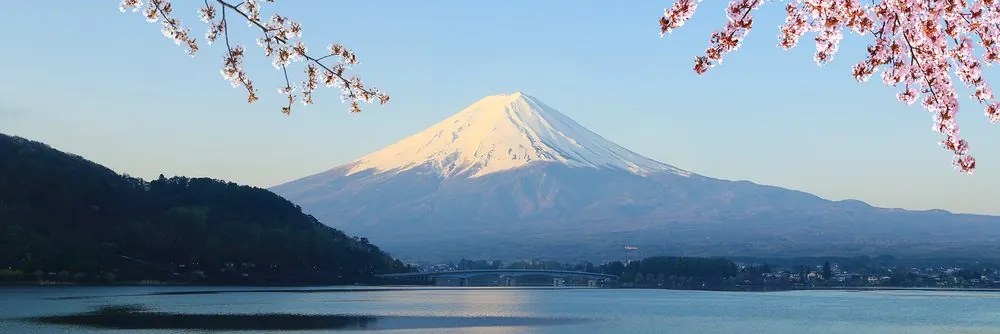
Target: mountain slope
(62, 213)
(558, 190)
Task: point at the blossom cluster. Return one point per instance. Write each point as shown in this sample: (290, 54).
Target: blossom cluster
(919, 46)
(675, 16)
(281, 41)
(728, 39)
(161, 11)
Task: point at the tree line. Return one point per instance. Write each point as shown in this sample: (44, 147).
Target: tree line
(63, 218)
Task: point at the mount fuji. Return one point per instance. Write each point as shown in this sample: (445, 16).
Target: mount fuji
(510, 177)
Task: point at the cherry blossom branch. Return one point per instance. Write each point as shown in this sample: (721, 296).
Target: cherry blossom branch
(354, 89)
(920, 44)
(232, 69)
(729, 38)
(916, 60)
(281, 41)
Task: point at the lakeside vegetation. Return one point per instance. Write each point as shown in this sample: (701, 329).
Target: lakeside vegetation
(756, 274)
(66, 219)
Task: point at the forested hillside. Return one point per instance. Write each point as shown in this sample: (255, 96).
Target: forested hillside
(64, 218)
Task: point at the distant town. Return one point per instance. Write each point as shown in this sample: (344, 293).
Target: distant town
(721, 274)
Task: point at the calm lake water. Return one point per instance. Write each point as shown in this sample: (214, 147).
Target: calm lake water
(491, 310)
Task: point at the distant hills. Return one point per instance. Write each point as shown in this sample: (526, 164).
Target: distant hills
(510, 177)
(63, 218)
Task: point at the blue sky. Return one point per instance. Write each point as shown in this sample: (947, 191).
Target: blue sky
(87, 79)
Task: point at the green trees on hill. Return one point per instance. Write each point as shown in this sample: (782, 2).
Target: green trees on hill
(63, 218)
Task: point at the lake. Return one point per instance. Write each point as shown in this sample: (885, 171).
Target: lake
(160, 309)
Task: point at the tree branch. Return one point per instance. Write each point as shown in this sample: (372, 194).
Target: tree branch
(347, 83)
(243, 80)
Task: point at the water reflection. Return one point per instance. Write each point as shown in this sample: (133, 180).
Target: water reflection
(214, 292)
(303, 291)
(496, 302)
(135, 317)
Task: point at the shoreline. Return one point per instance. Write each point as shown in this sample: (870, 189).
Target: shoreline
(393, 286)
(903, 288)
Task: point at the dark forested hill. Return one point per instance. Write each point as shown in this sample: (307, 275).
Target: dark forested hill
(64, 218)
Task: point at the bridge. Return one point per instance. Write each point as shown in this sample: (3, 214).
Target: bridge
(507, 277)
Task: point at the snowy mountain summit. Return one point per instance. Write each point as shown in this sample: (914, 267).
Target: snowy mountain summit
(504, 132)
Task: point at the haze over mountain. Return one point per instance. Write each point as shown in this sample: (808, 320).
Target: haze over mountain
(510, 177)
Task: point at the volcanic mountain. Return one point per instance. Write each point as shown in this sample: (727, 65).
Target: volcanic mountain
(510, 178)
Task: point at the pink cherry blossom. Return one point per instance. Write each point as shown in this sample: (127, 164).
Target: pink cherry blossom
(675, 16)
(919, 46)
(280, 39)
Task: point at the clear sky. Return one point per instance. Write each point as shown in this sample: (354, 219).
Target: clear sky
(85, 78)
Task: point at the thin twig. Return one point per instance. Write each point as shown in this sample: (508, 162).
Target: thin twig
(266, 30)
(225, 34)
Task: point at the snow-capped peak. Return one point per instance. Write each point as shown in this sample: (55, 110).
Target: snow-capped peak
(504, 132)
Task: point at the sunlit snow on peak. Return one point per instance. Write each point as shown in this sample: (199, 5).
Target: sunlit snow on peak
(504, 132)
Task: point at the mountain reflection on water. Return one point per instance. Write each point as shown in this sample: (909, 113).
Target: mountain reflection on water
(141, 317)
